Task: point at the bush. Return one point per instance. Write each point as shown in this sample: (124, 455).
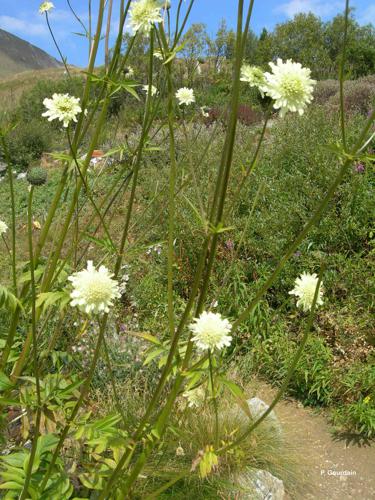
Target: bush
(324, 90)
(28, 141)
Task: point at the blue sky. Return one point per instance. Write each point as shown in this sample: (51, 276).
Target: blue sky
(21, 18)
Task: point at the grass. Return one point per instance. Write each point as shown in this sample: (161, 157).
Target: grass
(12, 87)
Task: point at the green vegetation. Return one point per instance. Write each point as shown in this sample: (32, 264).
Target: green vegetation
(149, 251)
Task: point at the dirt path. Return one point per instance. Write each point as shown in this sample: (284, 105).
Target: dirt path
(335, 469)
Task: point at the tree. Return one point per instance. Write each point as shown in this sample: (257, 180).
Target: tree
(223, 46)
(195, 45)
(263, 52)
(303, 39)
(360, 49)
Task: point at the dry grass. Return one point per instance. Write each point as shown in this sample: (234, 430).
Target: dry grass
(12, 88)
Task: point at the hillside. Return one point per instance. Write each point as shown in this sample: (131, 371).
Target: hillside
(17, 55)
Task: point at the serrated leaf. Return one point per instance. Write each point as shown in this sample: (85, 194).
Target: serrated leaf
(5, 382)
(8, 300)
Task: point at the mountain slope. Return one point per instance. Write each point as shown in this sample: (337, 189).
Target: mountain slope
(16, 56)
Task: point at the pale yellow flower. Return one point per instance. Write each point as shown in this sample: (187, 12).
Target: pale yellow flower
(62, 107)
(304, 289)
(195, 397)
(289, 85)
(252, 75)
(154, 90)
(45, 7)
(185, 96)
(211, 331)
(143, 15)
(3, 228)
(93, 290)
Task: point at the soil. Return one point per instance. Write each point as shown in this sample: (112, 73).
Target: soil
(336, 467)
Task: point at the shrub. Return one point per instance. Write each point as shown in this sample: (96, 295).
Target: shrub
(324, 90)
(359, 96)
(28, 141)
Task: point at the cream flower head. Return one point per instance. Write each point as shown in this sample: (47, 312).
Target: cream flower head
(154, 90)
(3, 228)
(63, 107)
(143, 15)
(93, 290)
(129, 72)
(211, 331)
(205, 111)
(252, 75)
(45, 7)
(185, 96)
(304, 289)
(289, 85)
(195, 397)
(158, 55)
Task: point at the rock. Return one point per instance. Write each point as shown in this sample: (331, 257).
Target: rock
(259, 485)
(21, 176)
(257, 407)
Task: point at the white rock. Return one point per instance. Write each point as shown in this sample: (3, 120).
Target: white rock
(257, 407)
(259, 485)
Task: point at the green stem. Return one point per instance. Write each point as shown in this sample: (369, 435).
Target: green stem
(341, 75)
(214, 399)
(63, 59)
(13, 212)
(24, 492)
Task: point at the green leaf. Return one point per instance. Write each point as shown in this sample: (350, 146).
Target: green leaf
(5, 382)
(49, 299)
(148, 337)
(11, 485)
(9, 402)
(8, 300)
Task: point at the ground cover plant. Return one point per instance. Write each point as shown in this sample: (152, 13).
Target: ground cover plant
(219, 235)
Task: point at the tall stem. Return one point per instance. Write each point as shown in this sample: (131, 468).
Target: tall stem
(13, 212)
(341, 74)
(214, 400)
(24, 493)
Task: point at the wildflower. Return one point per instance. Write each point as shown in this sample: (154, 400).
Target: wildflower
(195, 397)
(158, 55)
(143, 15)
(367, 400)
(211, 331)
(63, 107)
(205, 111)
(289, 85)
(253, 75)
(359, 168)
(185, 96)
(129, 72)
(93, 290)
(180, 452)
(154, 90)
(45, 7)
(3, 228)
(304, 288)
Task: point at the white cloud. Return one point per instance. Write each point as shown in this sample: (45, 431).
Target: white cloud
(319, 7)
(368, 16)
(21, 26)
